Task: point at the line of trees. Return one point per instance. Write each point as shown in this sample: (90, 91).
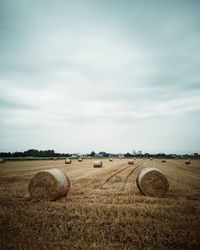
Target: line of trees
(52, 153)
(34, 153)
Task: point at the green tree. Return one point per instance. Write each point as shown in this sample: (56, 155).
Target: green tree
(92, 154)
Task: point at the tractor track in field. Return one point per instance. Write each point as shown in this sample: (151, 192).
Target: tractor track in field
(101, 176)
(121, 170)
(130, 173)
(113, 175)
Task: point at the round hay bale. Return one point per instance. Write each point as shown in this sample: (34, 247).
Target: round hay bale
(68, 161)
(49, 185)
(80, 160)
(131, 162)
(98, 164)
(151, 159)
(187, 162)
(163, 160)
(111, 159)
(152, 182)
(2, 160)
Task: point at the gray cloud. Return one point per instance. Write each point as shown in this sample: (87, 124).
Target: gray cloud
(99, 73)
(12, 104)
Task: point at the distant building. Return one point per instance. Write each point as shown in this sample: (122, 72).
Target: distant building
(74, 156)
(99, 155)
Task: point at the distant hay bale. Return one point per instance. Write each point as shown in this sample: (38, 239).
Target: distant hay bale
(152, 182)
(2, 160)
(80, 160)
(151, 159)
(68, 161)
(131, 162)
(111, 159)
(49, 185)
(98, 164)
(188, 162)
(163, 160)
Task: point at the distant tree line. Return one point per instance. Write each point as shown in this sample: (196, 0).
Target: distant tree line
(34, 153)
(52, 153)
(145, 155)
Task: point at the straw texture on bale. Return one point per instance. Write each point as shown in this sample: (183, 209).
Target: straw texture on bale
(49, 185)
(131, 162)
(152, 182)
(68, 161)
(188, 162)
(98, 164)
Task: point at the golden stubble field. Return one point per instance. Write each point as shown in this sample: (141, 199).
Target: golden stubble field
(104, 208)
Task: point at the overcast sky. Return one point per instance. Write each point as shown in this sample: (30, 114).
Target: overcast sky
(77, 76)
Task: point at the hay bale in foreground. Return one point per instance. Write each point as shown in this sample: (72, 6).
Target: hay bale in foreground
(49, 185)
(98, 164)
(68, 161)
(152, 182)
(2, 160)
(188, 162)
(131, 162)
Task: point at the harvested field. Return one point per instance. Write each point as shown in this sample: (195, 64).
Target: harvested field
(104, 208)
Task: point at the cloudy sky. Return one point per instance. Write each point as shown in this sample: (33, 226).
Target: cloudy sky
(77, 76)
